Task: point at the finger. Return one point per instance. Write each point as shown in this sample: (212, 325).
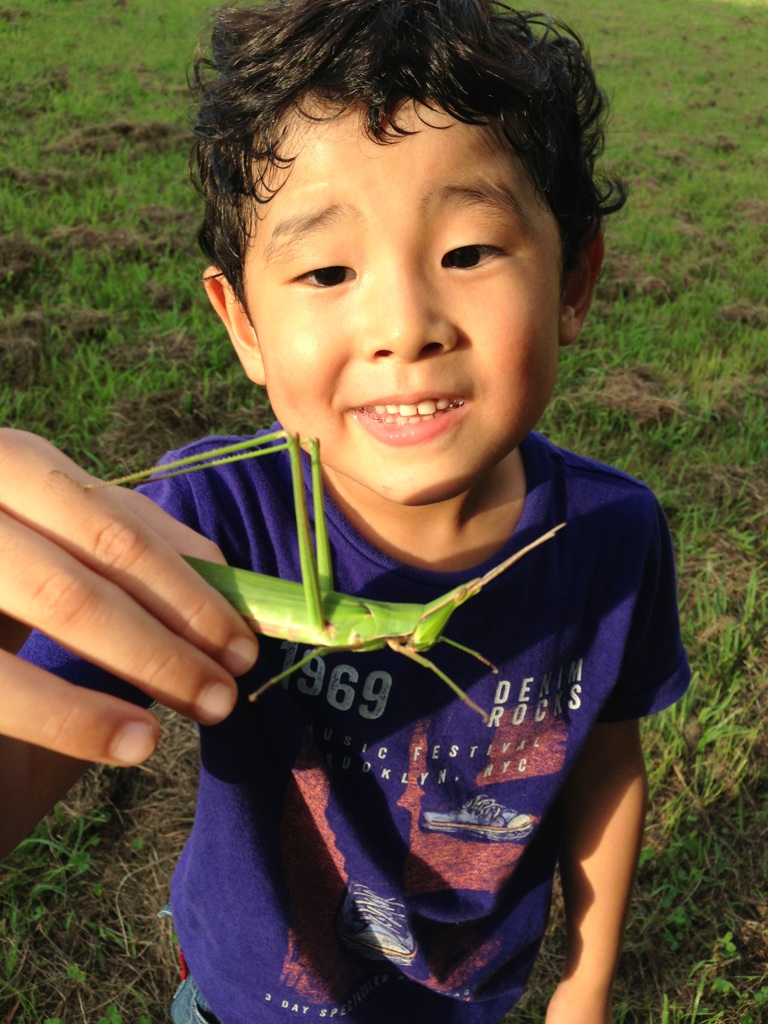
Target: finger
(42, 585)
(39, 708)
(126, 538)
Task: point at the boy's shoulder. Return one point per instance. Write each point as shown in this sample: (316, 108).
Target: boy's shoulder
(576, 466)
(586, 479)
(213, 442)
(604, 503)
(234, 456)
(243, 496)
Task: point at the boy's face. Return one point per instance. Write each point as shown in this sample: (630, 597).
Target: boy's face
(405, 305)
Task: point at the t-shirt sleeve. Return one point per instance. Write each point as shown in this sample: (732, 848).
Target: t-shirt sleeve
(654, 670)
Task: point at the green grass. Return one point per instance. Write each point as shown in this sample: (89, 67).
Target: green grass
(107, 347)
(94, 182)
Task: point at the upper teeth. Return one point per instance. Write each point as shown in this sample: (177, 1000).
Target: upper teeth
(425, 408)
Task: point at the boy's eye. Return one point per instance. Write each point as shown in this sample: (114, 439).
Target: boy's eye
(468, 256)
(327, 277)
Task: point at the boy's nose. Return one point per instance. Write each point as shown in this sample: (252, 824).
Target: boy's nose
(407, 321)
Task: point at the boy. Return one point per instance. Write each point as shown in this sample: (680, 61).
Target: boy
(404, 227)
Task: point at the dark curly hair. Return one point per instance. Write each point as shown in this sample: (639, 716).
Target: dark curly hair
(483, 63)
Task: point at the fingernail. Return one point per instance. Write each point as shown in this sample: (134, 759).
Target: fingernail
(133, 744)
(215, 703)
(241, 655)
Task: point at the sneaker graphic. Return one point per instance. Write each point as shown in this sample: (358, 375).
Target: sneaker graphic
(374, 927)
(481, 817)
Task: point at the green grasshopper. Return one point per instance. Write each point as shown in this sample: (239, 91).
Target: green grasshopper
(312, 612)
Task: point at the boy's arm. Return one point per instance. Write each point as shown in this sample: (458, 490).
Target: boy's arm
(603, 812)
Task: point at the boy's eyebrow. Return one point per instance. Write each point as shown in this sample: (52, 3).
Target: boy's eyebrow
(292, 229)
(484, 193)
(286, 233)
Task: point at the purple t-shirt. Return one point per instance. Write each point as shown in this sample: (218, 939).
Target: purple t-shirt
(365, 846)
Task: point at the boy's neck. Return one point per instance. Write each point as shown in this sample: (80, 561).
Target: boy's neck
(446, 536)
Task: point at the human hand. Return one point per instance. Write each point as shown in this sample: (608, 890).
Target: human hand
(100, 572)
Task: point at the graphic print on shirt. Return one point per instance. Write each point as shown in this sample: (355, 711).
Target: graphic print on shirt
(527, 740)
(328, 917)
(375, 927)
(314, 870)
(457, 781)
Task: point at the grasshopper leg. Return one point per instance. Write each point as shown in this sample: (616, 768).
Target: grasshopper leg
(409, 652)
(315, 652)
(469, 650)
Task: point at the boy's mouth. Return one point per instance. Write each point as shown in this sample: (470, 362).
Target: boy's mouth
(402, 414)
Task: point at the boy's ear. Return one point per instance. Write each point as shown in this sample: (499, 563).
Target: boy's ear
(579, 288)
(237, 322)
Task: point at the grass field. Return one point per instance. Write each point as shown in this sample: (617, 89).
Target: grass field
(107, 347)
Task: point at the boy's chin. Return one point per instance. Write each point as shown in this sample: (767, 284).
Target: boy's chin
(416, 493)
